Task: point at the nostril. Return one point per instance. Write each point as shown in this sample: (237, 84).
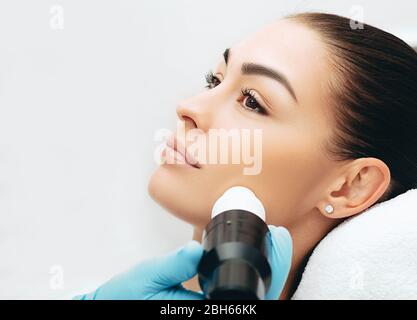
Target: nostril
(189, 122)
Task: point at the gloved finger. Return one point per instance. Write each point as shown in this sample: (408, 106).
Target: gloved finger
(280, 259)
(177, 267)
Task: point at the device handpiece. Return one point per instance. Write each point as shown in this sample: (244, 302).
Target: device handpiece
(234, 265)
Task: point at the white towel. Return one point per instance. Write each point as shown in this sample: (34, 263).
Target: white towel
(369, 256)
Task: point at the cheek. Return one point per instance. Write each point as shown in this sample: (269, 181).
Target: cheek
(291, 170)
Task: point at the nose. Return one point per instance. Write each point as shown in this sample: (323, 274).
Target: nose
(196, 113)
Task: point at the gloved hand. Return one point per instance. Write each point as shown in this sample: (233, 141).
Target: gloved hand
(161, 278)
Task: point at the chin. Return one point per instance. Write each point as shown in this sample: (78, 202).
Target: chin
(180, 195)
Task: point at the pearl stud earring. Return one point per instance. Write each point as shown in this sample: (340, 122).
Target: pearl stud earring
(329, 208)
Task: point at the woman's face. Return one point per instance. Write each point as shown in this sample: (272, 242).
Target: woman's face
(288, 108)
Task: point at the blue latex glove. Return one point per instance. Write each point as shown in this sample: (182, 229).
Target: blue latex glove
(161, 278)
(280, 260)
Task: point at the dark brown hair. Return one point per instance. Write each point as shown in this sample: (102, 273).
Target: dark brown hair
(374, 96)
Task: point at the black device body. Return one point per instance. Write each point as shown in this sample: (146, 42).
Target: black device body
(234, 265)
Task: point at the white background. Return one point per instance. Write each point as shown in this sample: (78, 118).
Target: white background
(78, 110)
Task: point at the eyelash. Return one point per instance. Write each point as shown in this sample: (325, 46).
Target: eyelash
(213, 81)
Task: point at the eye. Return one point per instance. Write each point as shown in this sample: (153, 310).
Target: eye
(212, 80)
(248, 97)
(250, 102)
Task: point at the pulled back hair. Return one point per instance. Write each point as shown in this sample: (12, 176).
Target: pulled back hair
(373, 96)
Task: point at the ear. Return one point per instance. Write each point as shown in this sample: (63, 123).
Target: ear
(359, 186)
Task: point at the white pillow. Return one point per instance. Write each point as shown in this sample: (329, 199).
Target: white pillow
(369, 256)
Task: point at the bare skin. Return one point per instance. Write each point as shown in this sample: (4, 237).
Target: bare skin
(298, 177)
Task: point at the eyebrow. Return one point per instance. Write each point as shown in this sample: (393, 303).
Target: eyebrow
(257, 69)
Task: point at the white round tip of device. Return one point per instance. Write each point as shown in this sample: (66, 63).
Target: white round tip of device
(238, 198)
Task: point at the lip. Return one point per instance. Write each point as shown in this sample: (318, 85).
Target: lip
(173, 143)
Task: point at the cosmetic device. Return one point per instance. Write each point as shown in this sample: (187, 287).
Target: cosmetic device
(234, 264)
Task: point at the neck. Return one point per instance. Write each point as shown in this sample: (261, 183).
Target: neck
(297, 266)
(198, 234)
(193, 283)
(305, 236)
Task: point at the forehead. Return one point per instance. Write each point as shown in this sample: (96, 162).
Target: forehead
(291, 48)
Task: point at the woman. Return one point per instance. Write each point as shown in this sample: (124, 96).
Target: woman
(339, 120)
(337, 108)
